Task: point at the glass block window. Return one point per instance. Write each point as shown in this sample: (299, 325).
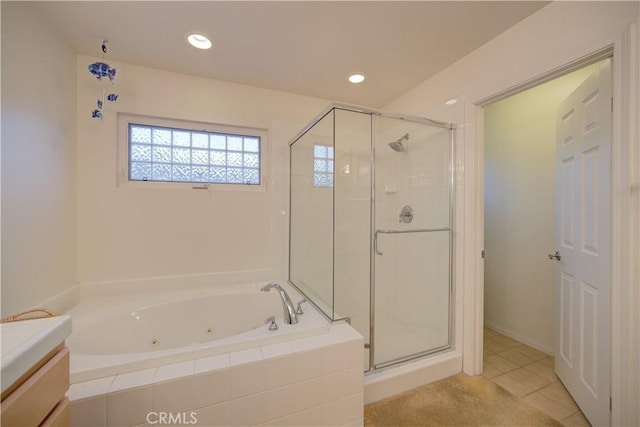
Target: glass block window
(168, 154)
(322, 165)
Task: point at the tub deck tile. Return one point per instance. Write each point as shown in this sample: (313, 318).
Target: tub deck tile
(89, 388)
(133, 379)
(212, 363)
(245, 356)
(175, 370)
(276, 350)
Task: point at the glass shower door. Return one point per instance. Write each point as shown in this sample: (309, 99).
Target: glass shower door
(412, 240)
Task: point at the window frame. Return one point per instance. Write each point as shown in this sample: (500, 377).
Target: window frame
(125, 119)
(328, 158)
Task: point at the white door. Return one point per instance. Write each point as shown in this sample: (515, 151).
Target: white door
(583, 167)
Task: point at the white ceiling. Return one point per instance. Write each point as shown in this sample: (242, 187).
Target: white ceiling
(301, 47)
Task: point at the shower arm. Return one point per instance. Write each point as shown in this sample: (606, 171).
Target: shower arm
(419, 230)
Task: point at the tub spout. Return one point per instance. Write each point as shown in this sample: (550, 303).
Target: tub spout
(289, 313)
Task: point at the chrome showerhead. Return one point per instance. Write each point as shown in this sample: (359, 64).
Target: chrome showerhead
(399, 144)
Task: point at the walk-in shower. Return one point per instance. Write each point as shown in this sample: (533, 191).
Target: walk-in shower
(371, 230)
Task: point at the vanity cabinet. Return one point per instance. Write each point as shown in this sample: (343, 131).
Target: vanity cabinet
(38, 398)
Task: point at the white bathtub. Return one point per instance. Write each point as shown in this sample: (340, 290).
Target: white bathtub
(129, 332)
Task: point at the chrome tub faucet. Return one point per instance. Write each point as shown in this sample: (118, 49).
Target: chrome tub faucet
(289, 313)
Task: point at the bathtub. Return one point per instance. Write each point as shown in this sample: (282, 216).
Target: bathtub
(116, 334)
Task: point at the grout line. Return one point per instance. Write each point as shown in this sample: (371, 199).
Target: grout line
(521, 399)
(570, 415)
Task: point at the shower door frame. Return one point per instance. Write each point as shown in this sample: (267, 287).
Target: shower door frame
(372, 282)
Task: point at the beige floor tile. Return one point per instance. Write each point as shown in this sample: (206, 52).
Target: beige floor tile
(559, 394)
(512, 385)
(489, 332)
(545, 372)
(494, 346)
(530, 352)
(515, 357)
(546, 405)
(534, 386)
(529, 375)
(529, 379)
(548, 361)
(489, 371)
(500, 363)
(576, 420)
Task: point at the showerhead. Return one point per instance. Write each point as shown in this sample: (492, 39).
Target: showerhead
(398, 145)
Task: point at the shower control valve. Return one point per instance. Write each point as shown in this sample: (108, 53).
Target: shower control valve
(299, 306)
(271, 321)
(406, 214)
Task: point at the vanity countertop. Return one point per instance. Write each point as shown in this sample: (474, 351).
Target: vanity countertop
(25, 342)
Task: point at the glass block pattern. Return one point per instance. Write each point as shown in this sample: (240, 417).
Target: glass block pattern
(180, 155)
(322, 166)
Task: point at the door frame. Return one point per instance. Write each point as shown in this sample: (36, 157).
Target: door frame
(625, 209)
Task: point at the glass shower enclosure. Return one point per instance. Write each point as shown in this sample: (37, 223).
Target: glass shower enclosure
(371, 235)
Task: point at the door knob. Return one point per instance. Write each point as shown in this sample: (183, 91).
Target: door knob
(556, 256)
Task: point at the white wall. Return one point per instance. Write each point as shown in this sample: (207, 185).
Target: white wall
(519, 203)
(131, 232)
(556, 35)
(38, 160)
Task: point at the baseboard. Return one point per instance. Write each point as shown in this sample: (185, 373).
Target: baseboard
(519, 337)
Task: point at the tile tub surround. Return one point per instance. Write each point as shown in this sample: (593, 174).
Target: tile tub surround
(309, 381)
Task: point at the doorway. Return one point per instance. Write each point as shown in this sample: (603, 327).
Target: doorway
(520, 213)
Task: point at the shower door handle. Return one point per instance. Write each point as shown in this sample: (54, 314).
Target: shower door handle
(375, 243)
(421, 230)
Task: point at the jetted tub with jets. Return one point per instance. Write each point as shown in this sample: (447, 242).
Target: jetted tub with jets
(128, 332)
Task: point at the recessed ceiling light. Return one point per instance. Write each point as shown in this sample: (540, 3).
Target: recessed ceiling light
(356, 78)
(451, 101)
(199, 41)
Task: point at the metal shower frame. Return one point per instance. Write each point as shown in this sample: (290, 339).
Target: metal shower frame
(373, 232)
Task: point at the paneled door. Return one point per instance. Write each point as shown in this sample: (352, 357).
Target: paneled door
(583, 247)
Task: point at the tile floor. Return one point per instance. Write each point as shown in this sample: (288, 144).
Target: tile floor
(528, 374)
